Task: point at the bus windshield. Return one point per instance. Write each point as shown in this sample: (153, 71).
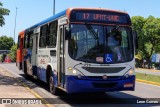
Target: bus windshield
(101, 44)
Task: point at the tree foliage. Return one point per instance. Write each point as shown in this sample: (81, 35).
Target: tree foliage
(137, 24)
(6, 43)
(148, 30)
(12, 54)
(3, 12)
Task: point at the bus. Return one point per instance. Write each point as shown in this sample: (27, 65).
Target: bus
(82, 50)
(19, 56)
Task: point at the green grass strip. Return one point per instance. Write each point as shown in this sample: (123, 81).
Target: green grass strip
(148, 77)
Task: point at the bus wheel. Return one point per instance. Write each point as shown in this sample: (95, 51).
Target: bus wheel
(52, 88)
(25, 71)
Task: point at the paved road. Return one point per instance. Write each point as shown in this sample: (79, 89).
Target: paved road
(147, 71)
(142, 92)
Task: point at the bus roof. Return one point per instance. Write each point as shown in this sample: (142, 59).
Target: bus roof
(67, 12)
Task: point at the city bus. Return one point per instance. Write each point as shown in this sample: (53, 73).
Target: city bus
(19, 56)
(82, 50)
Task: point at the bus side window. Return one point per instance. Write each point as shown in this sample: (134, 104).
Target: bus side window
(30, 40)
(52, 36)
(43, 35)
(26, 41)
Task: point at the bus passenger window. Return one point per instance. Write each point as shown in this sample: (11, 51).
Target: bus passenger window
(31, 40)
(26, 41)
(43, 35)
(52, 37)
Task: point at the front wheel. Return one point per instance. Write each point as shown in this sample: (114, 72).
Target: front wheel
(52, 88)
(25, 71)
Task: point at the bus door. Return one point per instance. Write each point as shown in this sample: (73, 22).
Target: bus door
(61, 65)
(34, 54)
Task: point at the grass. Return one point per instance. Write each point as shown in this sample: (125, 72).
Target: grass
(148, 77)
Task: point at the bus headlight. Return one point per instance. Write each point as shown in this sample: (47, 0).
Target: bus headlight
(129, 73)
(74, 71)
(78, 74)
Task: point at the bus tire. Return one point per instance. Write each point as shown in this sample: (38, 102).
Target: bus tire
(25, 71)
(52, 88)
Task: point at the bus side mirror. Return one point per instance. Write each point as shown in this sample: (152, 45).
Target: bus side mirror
(135, 36)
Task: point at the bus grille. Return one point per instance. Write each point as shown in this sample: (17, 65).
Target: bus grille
(104, 85)
(100, 77)
(104, 70)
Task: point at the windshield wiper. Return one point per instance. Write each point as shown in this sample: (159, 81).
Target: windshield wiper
(92, 31)
(113, 31)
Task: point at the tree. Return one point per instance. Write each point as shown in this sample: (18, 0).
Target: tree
(148, 30)
(6, 43)
(3, 12)
(12, 54)
(137, 25)
(151, 31)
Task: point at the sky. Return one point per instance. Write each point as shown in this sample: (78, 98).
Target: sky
(31, 12)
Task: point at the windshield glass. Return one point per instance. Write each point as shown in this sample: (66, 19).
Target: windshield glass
(101, 44)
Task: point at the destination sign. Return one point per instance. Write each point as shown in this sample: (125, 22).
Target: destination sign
(100, 16)
(97, 17)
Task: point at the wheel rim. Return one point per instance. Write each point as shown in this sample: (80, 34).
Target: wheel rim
(51, 85)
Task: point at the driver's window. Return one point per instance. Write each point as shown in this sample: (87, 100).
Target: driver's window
(114, 38)
(124, 42)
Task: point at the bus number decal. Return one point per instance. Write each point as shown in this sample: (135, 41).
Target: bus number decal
(86, 15)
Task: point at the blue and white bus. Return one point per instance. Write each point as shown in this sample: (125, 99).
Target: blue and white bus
(82, 50)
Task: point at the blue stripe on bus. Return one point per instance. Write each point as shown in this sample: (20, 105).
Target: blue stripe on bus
(77, 86)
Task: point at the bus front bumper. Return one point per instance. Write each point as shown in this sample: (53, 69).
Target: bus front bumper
(75, 85)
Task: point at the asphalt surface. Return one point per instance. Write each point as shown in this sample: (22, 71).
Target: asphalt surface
(136, 98)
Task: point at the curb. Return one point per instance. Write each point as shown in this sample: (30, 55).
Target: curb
(148, 82)
(46, 103)
(34, 93)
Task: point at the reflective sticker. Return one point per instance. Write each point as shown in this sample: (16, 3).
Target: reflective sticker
(108, 58)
